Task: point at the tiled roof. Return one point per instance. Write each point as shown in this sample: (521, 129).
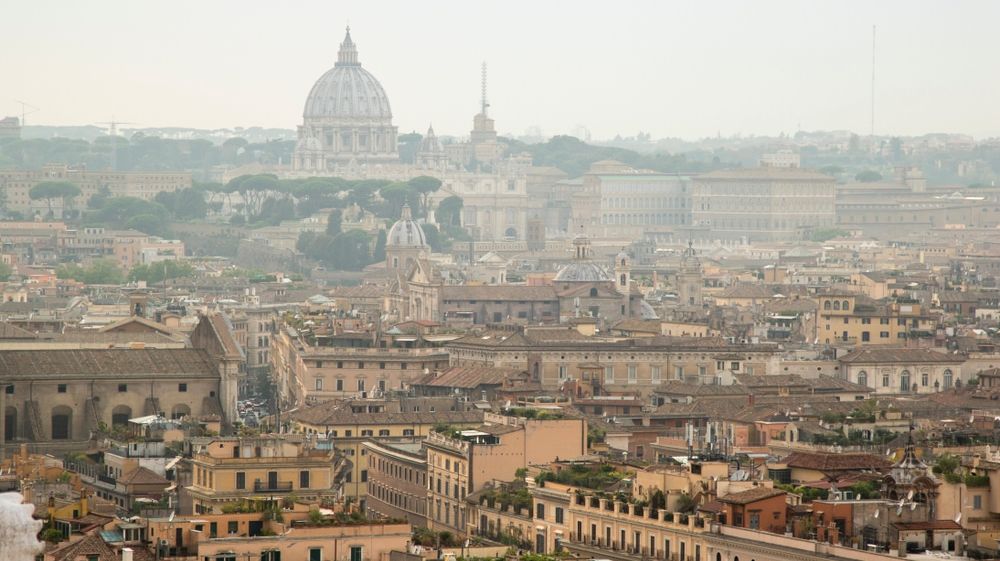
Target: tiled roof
(899, 355)
(822, 461)
(928, 525)
(88, 547)
(751, 495)
(765, 173)
(106, 362)
(143, 476)
(467, 377)
(322, 415)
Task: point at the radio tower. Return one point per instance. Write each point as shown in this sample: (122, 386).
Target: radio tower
(872, 135)
(485, 104)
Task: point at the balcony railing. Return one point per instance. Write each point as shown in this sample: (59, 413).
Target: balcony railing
(269, 486)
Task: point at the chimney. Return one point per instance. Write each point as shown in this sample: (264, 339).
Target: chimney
(750, 398)
(127, 554)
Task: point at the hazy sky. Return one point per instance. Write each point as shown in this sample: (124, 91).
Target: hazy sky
(688, 69)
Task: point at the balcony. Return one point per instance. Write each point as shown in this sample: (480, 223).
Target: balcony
(272, 486)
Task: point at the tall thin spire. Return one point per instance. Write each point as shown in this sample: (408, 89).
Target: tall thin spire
(348, 54)
(484, 103)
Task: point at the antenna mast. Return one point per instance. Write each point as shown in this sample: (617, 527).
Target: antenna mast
(25, 112)
(873, 91)
(113, 134)
(485, 104)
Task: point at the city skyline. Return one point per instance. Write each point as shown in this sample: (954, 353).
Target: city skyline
(802, 68)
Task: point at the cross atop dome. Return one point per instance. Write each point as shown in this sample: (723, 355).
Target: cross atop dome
(348, 54)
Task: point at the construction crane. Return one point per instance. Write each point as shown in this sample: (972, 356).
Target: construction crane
(113, 133)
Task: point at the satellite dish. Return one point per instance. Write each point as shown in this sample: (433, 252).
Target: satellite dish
(877, 513)
(913, 506)
(909, 496)
(888, 451)
(958, 518)
(899, 511)
(901, 501)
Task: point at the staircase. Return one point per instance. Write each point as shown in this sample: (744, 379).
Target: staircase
(91, 415)
(33, 417)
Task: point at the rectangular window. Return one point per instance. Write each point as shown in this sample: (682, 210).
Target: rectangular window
(61, 388)
(563, 372)
(655, 374)
(559, 515)
(632, 374)
(885, 380)
(233, 527)
(540, 511)
(340, 385)
(355, 553)
(241, 480)
(319, 384)
(364, 476)
(122, 388)
(367, 432)
(304, 479)
(315, 554)
(609, 374)
(361, 385)
(883, 334)
(407, 432)
(383, 432)
(678, 373)
(10, 389)
(977, 502)
(182, 387)
(755, 520)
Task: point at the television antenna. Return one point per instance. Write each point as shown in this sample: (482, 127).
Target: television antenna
(25, 106)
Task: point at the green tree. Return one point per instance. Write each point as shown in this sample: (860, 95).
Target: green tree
(378, 254)
(98, 199)
(434, 237)
(449, 211)
(100, 271)
(868, 176)
(333, 222)
(409, 145)
(161, 271)
(424, 185)
(6, 271)
(825, 234)
(49, 191)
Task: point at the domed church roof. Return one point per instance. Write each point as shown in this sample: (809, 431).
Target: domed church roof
(582, 269)
(347, 90)
(406, 232)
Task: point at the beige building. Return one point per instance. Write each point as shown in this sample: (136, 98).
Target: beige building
(17, 184)
(397, 481)
(851, 319)
(233, 469)
(462, 462)
(903, 371)
(306, 373)
(553, 356)
(763, 204)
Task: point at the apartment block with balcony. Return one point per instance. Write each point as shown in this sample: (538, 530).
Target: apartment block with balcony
(233, 469)
(854, 320)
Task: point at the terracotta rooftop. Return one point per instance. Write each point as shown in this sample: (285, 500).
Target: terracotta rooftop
(106, 362)
(467, 377)
(751, 495)
(823, 461)
(899, 355)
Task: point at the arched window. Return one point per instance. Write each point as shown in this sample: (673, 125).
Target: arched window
(862, 378)
(949, 379)
(179, 411)
(904, 381)
(846, 305)
(836, 304)
(593, 291)
(826, 305)
(623, 281)
(120, 415)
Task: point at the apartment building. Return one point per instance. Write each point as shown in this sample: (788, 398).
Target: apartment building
(851, 319)
(306, 373)
(233, 469)
(397, 481)
(461, 462)
(903, 371)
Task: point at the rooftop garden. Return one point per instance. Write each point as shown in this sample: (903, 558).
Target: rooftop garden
(532, 413)
(600, 477)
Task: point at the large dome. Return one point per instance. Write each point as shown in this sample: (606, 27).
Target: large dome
(406, 232)
(347, 90)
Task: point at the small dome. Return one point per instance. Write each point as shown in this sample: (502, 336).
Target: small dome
(582, 271)
(406, 232)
